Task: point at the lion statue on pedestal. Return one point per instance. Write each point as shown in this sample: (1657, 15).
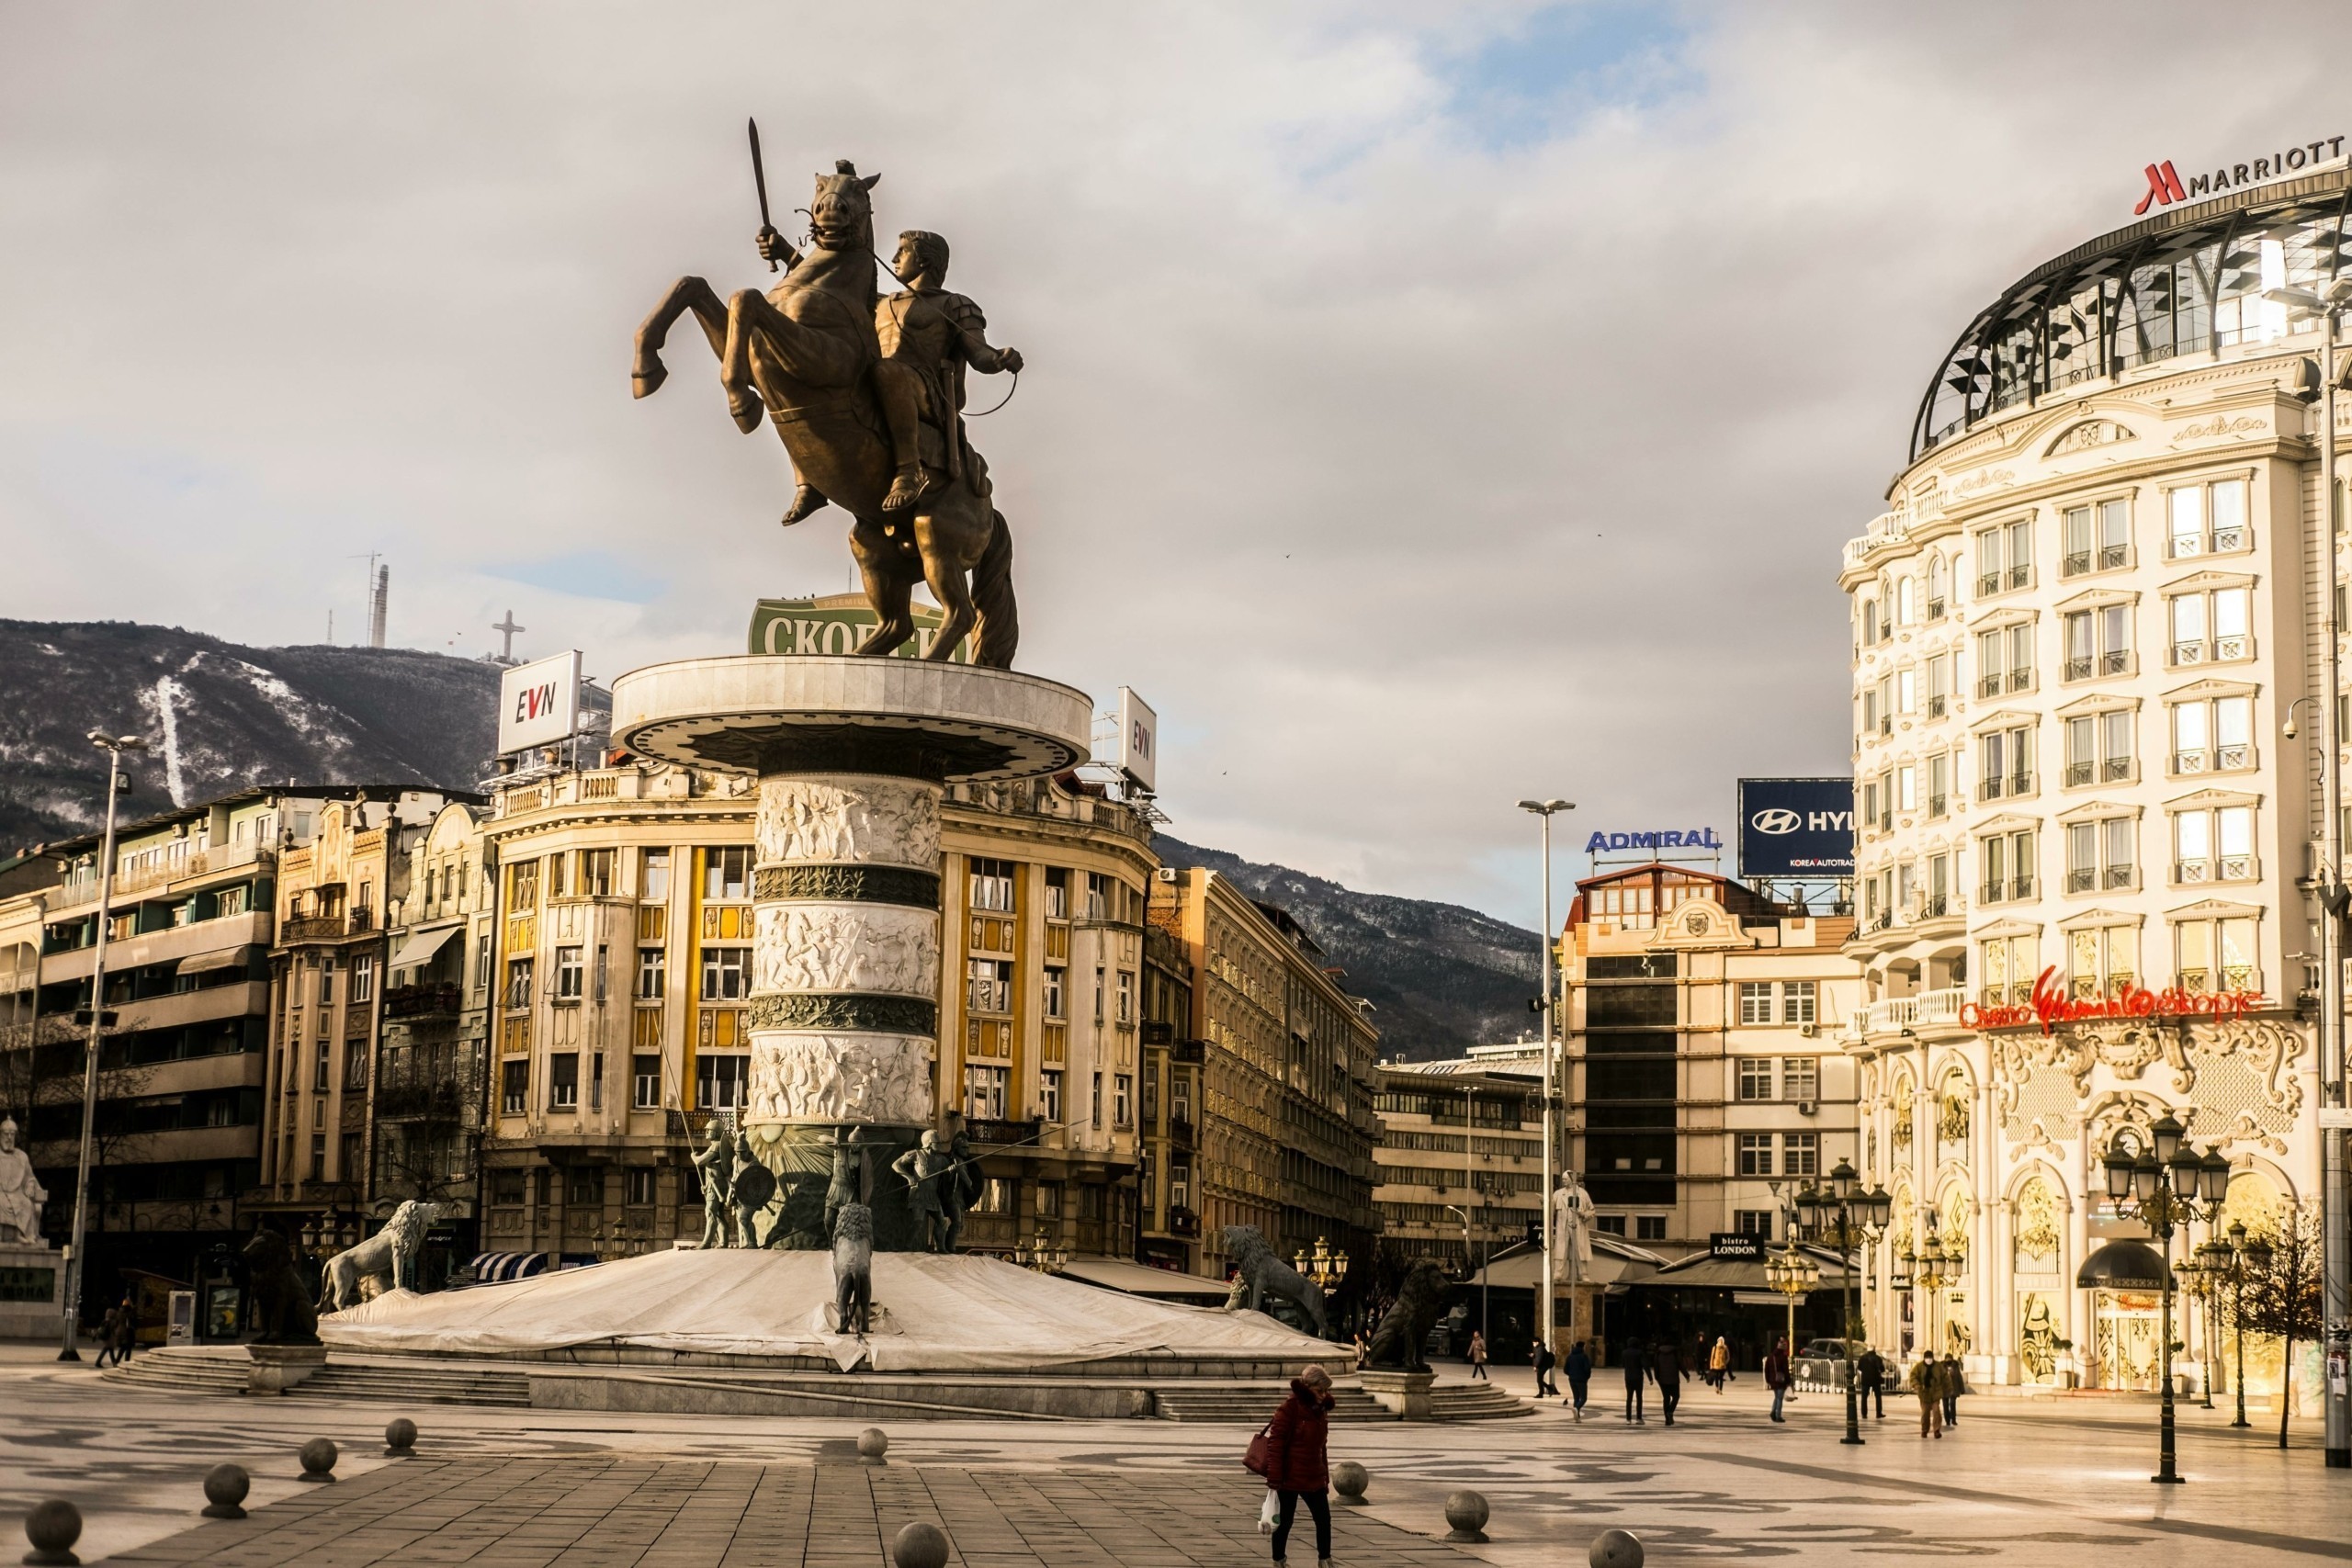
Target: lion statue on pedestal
(387, 1258)
(1262, 1269)
(282, 1310)
(1400, 1343)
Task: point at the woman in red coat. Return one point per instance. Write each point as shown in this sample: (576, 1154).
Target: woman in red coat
(1297, 1465)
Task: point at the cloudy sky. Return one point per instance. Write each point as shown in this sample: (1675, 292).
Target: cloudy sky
(1429, 406)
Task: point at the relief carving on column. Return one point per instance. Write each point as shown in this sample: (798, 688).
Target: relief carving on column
(849, 817)
(841, 1077)
(846, 947)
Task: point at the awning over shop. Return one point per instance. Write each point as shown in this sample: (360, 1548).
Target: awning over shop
(1139, 1279)
(498, 1267)
(2122, 1265)
(419, 947)
(1704, 1271)
(227, 958)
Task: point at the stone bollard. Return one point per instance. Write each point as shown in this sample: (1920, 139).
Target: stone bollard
(1349, 1479)
(52, 1527)
(1617, 1549)
(872, 1444)
(1467, 1511)
(318, 1458)
(400, 1439)
(920, 1545)
(225, 1486)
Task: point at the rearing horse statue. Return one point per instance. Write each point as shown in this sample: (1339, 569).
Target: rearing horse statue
(803, 355)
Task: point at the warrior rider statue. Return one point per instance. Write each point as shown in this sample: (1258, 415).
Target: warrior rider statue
(928, 335)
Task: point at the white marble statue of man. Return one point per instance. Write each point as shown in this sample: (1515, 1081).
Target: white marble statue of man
(20, 1196)
(1571, 1231)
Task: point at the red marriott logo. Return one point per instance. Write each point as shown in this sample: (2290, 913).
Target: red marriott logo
(2165, 185)
(2052, 1006)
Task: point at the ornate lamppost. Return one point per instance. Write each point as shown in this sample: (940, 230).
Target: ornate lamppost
(1324, 1265)
(1932, 1271)
(1792, 1274)
(1041, 1256)
(2164, 1186)
(1849, 1215)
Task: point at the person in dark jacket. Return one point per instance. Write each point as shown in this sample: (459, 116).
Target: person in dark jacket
(1776, 1375)
(1579, 1366)
(1954, 1386)
(126, 1330)
(1870, 1372)
(1636, 1364)
(1543, 1362)
(1298, 1461)
(1666, 1368)
(107, 1332)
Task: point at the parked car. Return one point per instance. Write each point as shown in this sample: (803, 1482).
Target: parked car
(1822, 1362)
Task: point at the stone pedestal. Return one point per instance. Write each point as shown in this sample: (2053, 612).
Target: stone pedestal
(32, 1290)
(273, 1368)
(851, 757)
(1407, 1393)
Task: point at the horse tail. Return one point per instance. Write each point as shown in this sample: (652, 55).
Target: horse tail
(1000, 628)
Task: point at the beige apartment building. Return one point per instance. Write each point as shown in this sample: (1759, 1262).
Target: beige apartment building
(2096, 594)
(1706, 1085)
(1459, 1168)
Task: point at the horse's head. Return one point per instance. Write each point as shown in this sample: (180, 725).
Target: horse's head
(841, 215)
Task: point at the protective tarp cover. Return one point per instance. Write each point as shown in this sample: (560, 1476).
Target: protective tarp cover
(935, 1313)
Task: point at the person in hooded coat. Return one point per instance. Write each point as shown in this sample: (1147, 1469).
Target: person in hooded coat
(1298, 1463)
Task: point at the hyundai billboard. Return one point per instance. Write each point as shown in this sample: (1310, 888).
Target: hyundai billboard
(1796, 827)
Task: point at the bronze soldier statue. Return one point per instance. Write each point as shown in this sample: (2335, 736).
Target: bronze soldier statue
(927, 334)
(926, 1169)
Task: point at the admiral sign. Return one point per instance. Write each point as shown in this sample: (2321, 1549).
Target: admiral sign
(539, 703)
(1796, 827)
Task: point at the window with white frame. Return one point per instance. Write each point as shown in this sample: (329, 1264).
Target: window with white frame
(725, 974)
(1057, 991)
(1800, 1001)
(1754, 1077)
(1756, 1154)
(2008, 965)
(2098, 748)
(989, 985)
(363, 977)
(2099, 537)
(722, 1079)
(2213, 844)
(652, 974)
(2212, 735)
(1935, 585)
(1755, 1003)
(1885, 694)
(569, 972)
(1938, 783)
(1907, 690)
(1801, 1077)
(1870, 623)
(1049, 1096)
(2005, 762)
(2007, 859)
(2209, 625)
(1938, 684)
(1800, 1154)
(2101, 959)
(2205, 519)
(1906, 601)
(1906, 788)
(984, 1092)
(2005, 659)
(2101, 854)
(991, 884)
(2098, 642)
(2216, 954)
(2004, 558)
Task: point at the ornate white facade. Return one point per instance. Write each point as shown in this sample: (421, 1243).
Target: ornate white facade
(2077, 632)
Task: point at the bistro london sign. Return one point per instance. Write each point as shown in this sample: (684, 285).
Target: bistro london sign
(2165, 186)
(1672, 838)
(2052, 1006)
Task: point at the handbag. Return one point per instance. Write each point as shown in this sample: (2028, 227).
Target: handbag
(1258, 1458)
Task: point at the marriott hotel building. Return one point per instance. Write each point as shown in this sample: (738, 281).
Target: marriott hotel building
(2078, 628)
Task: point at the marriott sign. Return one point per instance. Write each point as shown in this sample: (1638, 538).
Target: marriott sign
(2165, 185)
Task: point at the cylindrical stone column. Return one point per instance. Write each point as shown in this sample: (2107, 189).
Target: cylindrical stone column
(844, 1016)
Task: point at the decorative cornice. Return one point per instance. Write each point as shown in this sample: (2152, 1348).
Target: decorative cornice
(846, 1010)
(848, 883)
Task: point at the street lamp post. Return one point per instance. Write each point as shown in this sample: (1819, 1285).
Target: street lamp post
(2255, 1255)
(2164, 1186)
(1856, 1215)
(114, 746)
(1325, 1267)
(2336, 898)
(1929, 1274)
(1793, 1275)
(1553, 1097)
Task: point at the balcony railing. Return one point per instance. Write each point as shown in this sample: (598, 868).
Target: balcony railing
(2082, 879)
(1937, 803)
(1989, 685)
(987, 1129)
(1936, 705)
(2016, 887)
(325, 928)
(1997, 787)
(422, 1001)
(1935, 609)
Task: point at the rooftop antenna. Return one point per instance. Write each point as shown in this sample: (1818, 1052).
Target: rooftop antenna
(377, 584)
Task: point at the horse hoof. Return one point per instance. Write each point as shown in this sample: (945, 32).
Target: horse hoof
(646, 379)
(749, 416)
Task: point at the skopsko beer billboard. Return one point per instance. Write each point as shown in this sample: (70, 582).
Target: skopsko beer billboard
(837, 622)
(1796, 827)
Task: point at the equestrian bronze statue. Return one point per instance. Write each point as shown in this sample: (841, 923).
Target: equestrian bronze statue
(867, 390)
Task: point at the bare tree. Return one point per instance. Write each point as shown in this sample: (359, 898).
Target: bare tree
(2281, 1297)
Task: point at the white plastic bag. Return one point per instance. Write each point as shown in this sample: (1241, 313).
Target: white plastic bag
(1268, 1512)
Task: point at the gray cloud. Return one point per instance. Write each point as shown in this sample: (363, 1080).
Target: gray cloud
(1423, 412)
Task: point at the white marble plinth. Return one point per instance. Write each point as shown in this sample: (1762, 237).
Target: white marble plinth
(1407, 1393)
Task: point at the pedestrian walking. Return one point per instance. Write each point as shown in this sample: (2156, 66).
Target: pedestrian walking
(1478, 1356)
(1871, 1371)
(1955, 1385)
(1298, 1463)
(106, 1331)
(126, 1330)
(1637, 1367)
(1579, 1366)
(1776, 1375)
(1666, 1371)
(1927, 1381)
(1719, 1363)
(1544, 1361)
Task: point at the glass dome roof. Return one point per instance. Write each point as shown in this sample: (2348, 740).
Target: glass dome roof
(2187, 281)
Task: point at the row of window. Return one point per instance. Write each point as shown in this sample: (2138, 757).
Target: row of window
(988, 988)
(1800, 1154)
(1791, 1002)
(987, 1095)
(2209, 954)
(2206, 518)
(1800, 1078)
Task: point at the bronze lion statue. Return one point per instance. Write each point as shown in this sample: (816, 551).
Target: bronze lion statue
(1399, 1343)
(282, 1309)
